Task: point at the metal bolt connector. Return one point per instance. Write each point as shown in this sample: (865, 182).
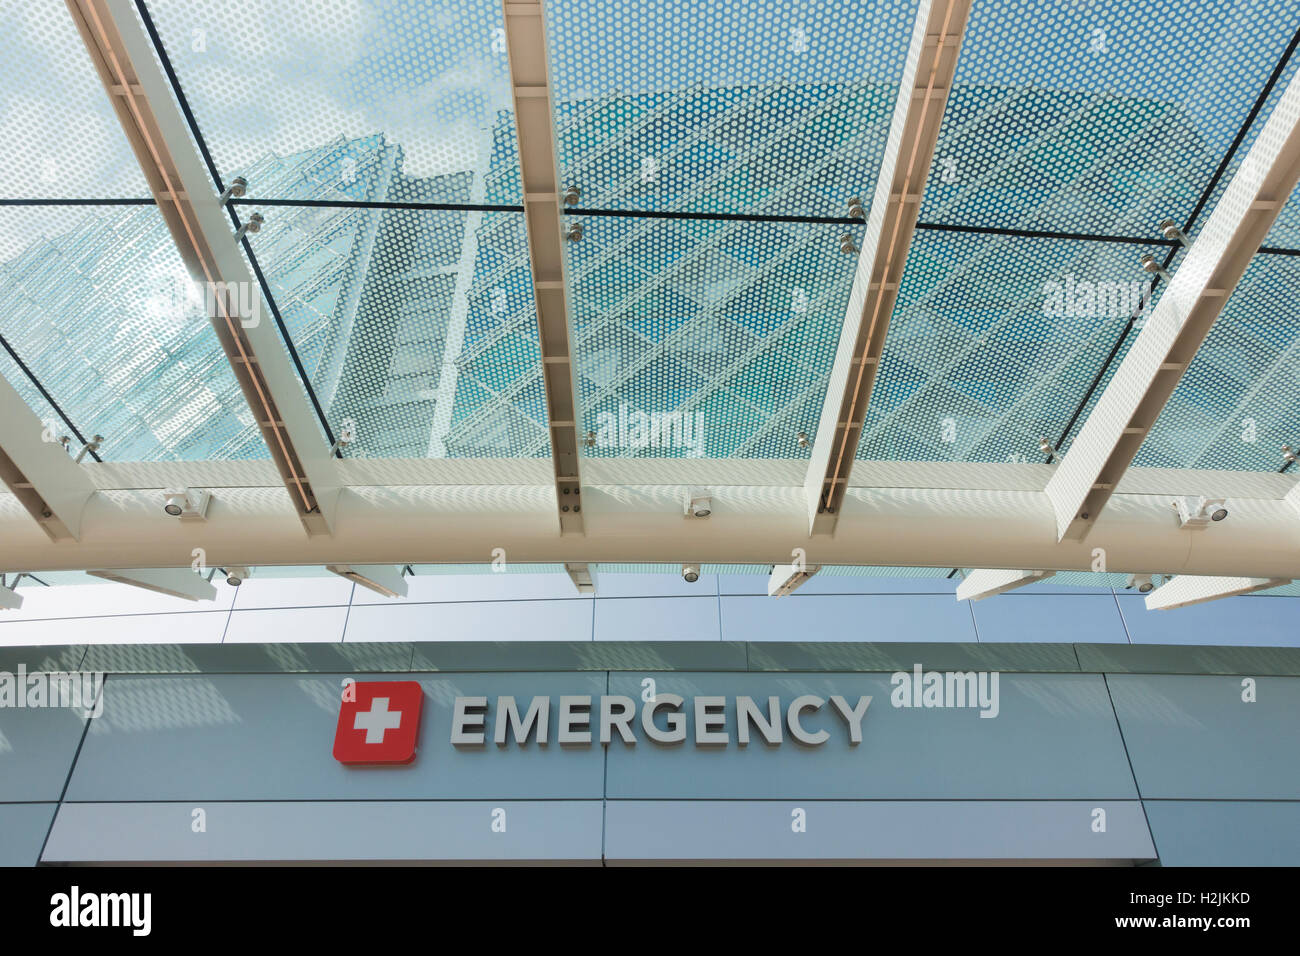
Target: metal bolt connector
(254, 224)
(238, 186)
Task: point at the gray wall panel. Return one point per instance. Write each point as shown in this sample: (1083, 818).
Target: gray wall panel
(1055, 737)
(321, 624)
(1053, 618)
(36, 750)
(658, 619)
(864, 617)
(1251, 620)
(879, 830)
(406, 830)
(22, 831)
(486, 621)
(1225, 833)
(270, 737)
(1193, 737)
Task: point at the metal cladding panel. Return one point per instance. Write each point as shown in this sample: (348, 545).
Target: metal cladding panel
(876, 830)
(1225, 833)
(270, 737)
(1054, 737)
(372, 830)
(1195, 737)
(22, 831)
(37, 747)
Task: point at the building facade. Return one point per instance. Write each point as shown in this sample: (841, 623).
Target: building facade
(1053, 724)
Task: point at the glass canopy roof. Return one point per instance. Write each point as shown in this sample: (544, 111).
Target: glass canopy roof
(716, 148)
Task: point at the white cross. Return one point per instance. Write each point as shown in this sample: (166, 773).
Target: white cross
(376, 720)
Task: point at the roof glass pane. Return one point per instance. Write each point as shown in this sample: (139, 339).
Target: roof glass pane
(416, 328)
(59, 137)
(993, 342)
(269, 78)
(738, 107)
(1101, 117)
(101, 309)
(1238, 402)
(704, 339)
(55, 426)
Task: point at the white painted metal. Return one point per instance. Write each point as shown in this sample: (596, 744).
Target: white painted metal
(177, 582)
(718, 475)
(10, 600)
(1179, 323)
(788, 578)
(525, 36)
(463, 524)
(986, 582)
(1292, 496)
(1185, 589)
(582, 578)
(381, 578)
(48, 484)
(141, 96)
(891, 220)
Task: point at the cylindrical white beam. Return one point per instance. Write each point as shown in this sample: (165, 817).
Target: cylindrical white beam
(749, 525)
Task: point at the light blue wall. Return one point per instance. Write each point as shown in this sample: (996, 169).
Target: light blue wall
(637, 607)
(1184, 768)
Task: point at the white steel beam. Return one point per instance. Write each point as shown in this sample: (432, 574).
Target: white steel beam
(10, 599)
(788, 578)
(1293, 497)
(383, 579)
(986, 582)
(582, 578)
(927, 78)
(156, 130)
(1185, 589)
(464, 524)
(176, 582)
(530, 82)
(682, 472)
(46, 481)
(1179, 323)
